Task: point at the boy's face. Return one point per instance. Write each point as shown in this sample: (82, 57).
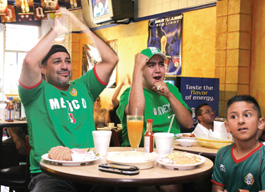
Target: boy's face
(243, 121)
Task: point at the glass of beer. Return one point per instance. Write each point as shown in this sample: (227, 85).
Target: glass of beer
(135, 125)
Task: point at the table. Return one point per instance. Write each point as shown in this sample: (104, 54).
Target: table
(89, 174)
(197, 149)
(15, 123)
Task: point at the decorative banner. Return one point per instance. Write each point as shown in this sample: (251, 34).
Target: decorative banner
(73, 4)
(24, 7)
(25, 17)
(39, 13)
(50, 6)
(3, 7)
(165, 34)
(11, 15)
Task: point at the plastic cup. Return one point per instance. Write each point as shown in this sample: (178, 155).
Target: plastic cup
(163, 142)
(102, 141)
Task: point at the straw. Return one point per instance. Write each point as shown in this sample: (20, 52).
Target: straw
(171, 123)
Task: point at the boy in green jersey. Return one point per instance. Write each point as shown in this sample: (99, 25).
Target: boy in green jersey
(60, 112)
(152, 97)
(241, 165)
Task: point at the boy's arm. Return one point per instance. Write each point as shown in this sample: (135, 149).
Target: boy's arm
(217, 188)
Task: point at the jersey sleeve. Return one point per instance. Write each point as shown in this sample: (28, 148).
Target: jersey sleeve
(217, 177)
(262, 172)
(29, 94)
(93, 84)
(173, 89)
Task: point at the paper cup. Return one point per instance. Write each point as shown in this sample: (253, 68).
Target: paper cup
(101, 141)
(111, 125)
(163, 142)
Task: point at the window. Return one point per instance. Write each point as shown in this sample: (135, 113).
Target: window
(18, 39)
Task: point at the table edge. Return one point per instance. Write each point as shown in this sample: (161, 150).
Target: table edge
(126, 181)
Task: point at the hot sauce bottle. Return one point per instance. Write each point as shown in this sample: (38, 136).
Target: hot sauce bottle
(10, 110)
(149, 137)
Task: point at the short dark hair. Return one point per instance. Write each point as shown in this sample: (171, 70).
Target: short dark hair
(198, 110)
(246, 98)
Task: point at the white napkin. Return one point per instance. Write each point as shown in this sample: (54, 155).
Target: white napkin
(219, 132)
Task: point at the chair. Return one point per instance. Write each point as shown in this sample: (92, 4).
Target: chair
(116, 137)
(16, 177)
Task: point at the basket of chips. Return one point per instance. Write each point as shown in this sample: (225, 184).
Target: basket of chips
(215, 144)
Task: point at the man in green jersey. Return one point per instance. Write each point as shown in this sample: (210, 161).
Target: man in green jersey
(152, 97)
(60, 112)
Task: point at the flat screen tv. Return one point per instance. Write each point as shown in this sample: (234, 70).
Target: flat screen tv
(107, 11)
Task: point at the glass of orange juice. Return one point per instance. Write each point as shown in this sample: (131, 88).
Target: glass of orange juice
(135, 125)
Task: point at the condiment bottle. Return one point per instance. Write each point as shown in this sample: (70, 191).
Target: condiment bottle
(6, 111)
(10, 110)
(149, 137)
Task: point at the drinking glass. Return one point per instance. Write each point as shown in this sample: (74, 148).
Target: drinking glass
(135, 125)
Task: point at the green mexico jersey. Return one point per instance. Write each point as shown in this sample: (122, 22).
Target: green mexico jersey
(245, 173)
(56, 117)
(157, 107)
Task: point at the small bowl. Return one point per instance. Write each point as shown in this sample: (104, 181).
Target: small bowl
(186, 142)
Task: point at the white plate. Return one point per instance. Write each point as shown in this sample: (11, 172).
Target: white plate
(181, 167)
(180, 136)
(139, 159)
(69, 163)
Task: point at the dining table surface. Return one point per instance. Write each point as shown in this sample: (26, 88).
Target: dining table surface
(158, 175)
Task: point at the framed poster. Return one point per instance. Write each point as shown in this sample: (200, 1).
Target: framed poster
(165, 34)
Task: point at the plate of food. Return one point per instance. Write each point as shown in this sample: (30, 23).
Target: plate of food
(139, 159)
(185, 136)
(70, 157)
(181, 161)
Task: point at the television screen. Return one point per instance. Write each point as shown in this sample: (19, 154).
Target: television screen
(100, 7)
(105, 11)
(101, 10)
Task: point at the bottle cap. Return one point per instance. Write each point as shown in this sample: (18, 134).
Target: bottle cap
(149, 120)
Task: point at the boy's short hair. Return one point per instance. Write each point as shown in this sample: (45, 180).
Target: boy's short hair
(198, 110)
(246, 98)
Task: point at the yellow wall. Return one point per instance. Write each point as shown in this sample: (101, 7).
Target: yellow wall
(198, 55)
(257, 79)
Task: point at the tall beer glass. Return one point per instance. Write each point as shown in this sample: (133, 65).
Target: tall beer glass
(135, 125)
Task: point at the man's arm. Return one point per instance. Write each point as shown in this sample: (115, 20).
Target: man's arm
(20, 142)
(182, 114)
(31, 72)
(109, 58)
(136, 98)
